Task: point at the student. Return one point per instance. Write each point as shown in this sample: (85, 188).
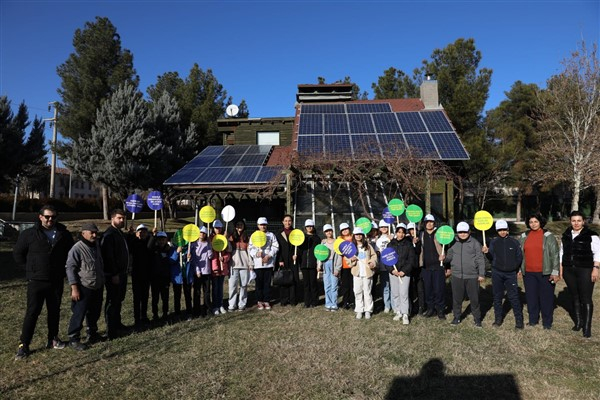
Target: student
(263, 259)
(239, 268)
(199, 257)
(381, 244)
(220, 269)
(331, 270)
(417, 292)
(182, 278)
(399, 274)
(346, 282)
(308, 264)
(434, 275)
(286, 259)
(468, 271)
(140, 248)
(362, 266)
(165, 257)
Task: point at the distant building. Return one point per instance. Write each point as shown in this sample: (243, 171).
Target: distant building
(70, 186)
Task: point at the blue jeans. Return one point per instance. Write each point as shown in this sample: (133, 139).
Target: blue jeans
(217, 292)
(502, 281)
(89, 308)
(386, 291)
(330, 281)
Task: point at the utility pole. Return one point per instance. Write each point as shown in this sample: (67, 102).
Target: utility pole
(54, 138)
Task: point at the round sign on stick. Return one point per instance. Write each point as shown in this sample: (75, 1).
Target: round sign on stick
(296, 237)
(259, 238)
(219, 243)
(444, 234)
(389, 257)
(190, 233)
(396, 207)
(207, 214)
(321, 252)
(155, 200)
(228, 213)
(414, 213)
(483, 220)
(178, 239)
(364, 224)
(348, 249)
(387, 216)
(336, 245)
(134, 203)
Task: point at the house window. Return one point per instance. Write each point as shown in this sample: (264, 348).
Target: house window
(269, 138)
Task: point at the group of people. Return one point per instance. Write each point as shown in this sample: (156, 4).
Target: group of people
(413, 283)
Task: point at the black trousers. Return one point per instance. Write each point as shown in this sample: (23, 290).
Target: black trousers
(459, 287)
(187, 294)
(201, 287)
(89, 307)
(417, 290)
(311, 290)
(39, 292)
(115, 294)
(289, 294)
(263, 284)
(160, 291)
(579, 282)
(141, 293)
(346, 286)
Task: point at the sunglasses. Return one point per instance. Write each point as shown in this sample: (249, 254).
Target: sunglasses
(47, 217)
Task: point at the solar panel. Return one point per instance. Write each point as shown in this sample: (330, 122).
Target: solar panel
(386, 123)
(368, 108)
(226, 161)
(411, 122)
(266, 174)
(242, 174)
(212, 151)
(201, 161)
(185, 175)
(449, 145)
(335, 124)
(213, 175)
(361, 123)
(252, 160)
(436, 121)
(338, 145)
(421, 145)
(235, 150)
(323, 108)
(365, 144)
(309, 145)
(311, 124)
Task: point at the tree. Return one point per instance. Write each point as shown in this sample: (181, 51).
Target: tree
(35, 159)
(569, 117)
(356, 94)
(395, 84)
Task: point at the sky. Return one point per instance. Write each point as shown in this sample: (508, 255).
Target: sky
(261, 50)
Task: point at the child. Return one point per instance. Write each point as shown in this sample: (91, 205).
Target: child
(308, 264)
(331, 270)
(220, 269)
(399, 274)
(239, 268)
(164, 257)
(199, 257)
(384, 277)
(362, 266)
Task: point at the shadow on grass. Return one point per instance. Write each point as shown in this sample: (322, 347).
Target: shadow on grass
(433, 383)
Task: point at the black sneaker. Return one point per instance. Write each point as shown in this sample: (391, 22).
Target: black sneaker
(519, 325)
(455, 321)
(95, 338)
(56, 344)
(77, 345)
(429, 314)
(477, 324)
(22, 352)
(441, 315)
(497, 323)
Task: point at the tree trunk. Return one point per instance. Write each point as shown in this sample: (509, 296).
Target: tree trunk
(105, 202)
(576, 192)
(596, 214)
(519, 205)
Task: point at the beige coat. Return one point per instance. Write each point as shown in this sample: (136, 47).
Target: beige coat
(371, 259)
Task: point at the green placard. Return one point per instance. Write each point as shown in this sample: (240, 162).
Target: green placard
(396, 207)
(178, 239)
(444, 234)
(414, 213)
(364, 224)
(321, 252)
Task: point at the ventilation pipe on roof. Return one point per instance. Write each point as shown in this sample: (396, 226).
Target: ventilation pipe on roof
(429, 93)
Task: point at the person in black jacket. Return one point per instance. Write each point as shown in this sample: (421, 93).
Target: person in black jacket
(285, 259)
(506, 257)
(163, 256)
(115, 254)
(140, 247)
(43, 251)
(400, 273)
(308, 264)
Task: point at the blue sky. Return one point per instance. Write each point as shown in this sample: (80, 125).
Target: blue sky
(261, 50)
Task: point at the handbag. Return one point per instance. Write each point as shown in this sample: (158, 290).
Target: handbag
(283, 277)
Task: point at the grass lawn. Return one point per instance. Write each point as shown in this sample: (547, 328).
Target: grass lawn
(296, 353)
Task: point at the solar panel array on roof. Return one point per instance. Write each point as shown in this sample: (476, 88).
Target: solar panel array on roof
(372, 128)
(240, 164)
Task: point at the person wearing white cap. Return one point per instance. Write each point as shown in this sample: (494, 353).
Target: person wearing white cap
(140, 249)
(240, 268)
(468, 271)
(362, 266)
(287, 260)
(384, 277)
(400, 273)
(165, 258)
(506, 256)
(346, 280)
(220, 269)
(331, 270)
(308, 264)
(263, 258)
(434, 275)
(199, 257)
(417, 288)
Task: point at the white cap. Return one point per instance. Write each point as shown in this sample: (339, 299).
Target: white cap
(462, 227)
(262, 221)
(358, 231)
(217, 224)
(383, 224)
(374, 225)
(327, 227)
(411, 225)
(429, 217)
(204, 230)
(309, 222)
(501, 224)
(401, 225)
(140, 227)
(162, 234)
(343, 226)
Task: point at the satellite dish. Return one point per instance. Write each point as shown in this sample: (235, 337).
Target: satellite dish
(232, 110)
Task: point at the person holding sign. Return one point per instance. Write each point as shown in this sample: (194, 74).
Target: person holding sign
(331, 267)
(308, 264)
(362, 263)
(182, 277)
(346, 284)
(239, 268)
(381, 243)
(468, 271)
(417, 291)
(263, 254)
(220, 266)
(506, 257)
(165, 257)
(140, 248)
(434, 275)
(199, 256)
(399, 273)
(286, 259)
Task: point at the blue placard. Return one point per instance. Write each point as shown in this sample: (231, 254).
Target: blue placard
(155, 201)
(348, 249)
(387, 216)
(134, 203)
(389, 257)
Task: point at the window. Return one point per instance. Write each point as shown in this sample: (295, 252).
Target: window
(270, 138)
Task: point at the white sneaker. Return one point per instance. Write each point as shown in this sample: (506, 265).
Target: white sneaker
(405, 320)
(386, 310)
(397, 317)
(216, 312)
(367, 315)
(222, 310)
(358, 315)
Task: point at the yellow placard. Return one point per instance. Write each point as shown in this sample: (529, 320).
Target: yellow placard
(219, 243)
(259, 239)
(483, 220)
(336, 245)
(190, 232)
(207, 214)
(296, 237)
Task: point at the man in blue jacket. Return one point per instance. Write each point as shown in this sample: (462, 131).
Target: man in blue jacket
(42, 251)
(506, 257)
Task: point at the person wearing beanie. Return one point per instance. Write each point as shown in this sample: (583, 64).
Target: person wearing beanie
(506, 256)
(467, 267)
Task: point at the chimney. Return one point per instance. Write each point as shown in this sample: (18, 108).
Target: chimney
(429, 93)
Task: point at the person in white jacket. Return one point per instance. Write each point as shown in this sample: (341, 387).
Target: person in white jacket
(263, 260)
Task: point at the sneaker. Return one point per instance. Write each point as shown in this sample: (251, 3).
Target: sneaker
(441, 315)
(386, 310)
(405, 320)
(223, 310)
(231, 309)
(95, 338)
(22, 352)
(477, 324)
(241, 308)
(358, 315)
(455, 321)
(397, 317)
(77, 345)
(333, 309)
(497, 323)
(429, 313)
(519, 325)
(260, 306)
(267, 306)
(216, 312)
(367, 315)
(56, 344)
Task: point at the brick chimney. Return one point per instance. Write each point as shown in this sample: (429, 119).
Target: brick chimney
(429, 93)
